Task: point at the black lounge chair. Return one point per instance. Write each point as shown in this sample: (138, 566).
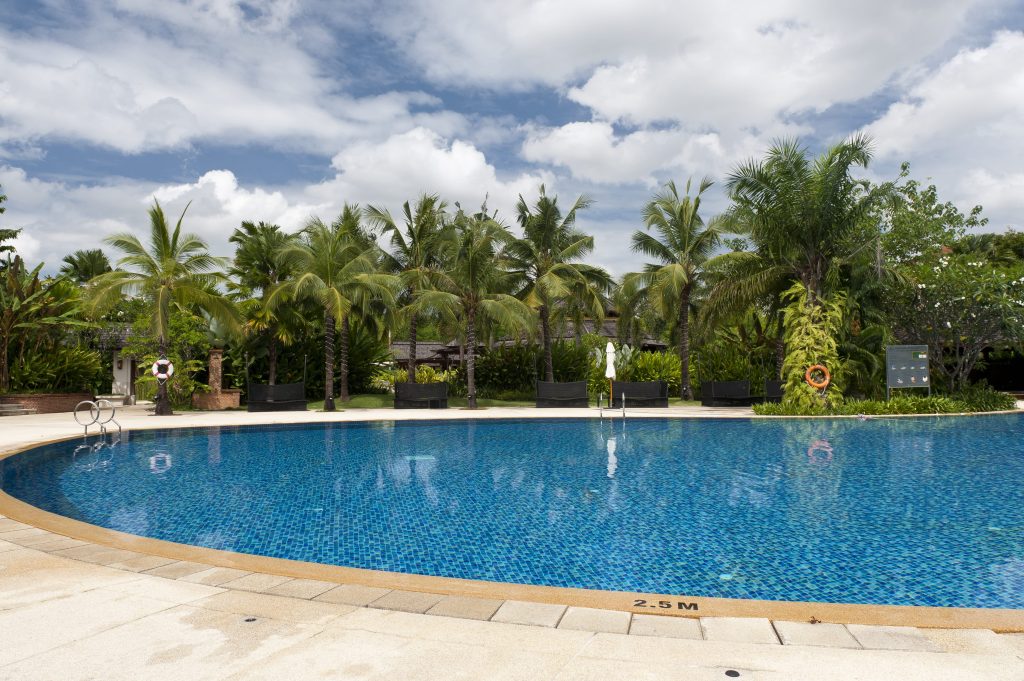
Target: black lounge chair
(640, 393)
(572, 394)
(282, 397)
(773, 391)
(421, 395)
(726, 394)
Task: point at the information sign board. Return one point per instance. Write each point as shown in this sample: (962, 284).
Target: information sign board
(906, 366)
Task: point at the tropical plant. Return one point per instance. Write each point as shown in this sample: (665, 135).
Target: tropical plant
(259, 265)
(83, 265)
(6, 234)
(176, 272)
(471, 288)
(34, 314)
(811, 331)
(683, 245)
(550, 274)
(58, 369)
(336, 265)
(416, 253)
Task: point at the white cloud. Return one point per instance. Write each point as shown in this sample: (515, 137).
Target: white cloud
(960, 124)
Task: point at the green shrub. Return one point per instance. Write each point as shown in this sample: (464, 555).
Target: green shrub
(982, 397)
(384, 381)
(658, 366)
(59, 370)
(507, 368)
(571, 362)
(367, 355)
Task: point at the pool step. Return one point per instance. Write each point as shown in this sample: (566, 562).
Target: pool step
(15, 410)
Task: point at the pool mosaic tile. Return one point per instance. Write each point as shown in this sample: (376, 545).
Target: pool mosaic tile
(887, 511)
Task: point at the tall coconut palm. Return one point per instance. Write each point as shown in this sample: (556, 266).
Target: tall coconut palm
(258, 267)
(83, 265)
(416, 253)
(547, 260)
(175, 271)
(472, 286)
(338, 266)
(683, 245)
(6, 234)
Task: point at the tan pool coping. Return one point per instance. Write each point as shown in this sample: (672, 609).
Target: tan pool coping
(425, 593)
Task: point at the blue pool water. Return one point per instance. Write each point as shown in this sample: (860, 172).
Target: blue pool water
(890, 511)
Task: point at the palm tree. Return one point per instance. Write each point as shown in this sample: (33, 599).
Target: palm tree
(547, 259)
(683, 246)
(84, 265)
(471, 286)
(336, 265)
(6, 234)
(176, 271)
(416, 253)
(802, 216)
(258, 267)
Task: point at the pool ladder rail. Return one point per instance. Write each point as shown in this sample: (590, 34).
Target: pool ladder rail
(95, 413)
(600, 404)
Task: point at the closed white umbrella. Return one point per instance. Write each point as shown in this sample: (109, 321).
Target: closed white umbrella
(609, 369)
(613, 461)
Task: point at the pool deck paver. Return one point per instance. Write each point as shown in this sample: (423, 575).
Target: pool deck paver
(256, 582)
(892, 638)
(406, 601)
(667, 627)
(739, 629)
(815, 634)
(596, 620)
(466, 607)
(68, 607)
(352, 594)
(526, 612)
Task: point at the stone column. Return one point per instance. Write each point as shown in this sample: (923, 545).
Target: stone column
(216, 371)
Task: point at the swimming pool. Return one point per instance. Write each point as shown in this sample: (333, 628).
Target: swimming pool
(923, 511)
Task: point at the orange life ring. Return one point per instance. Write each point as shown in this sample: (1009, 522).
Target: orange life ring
(823, 383)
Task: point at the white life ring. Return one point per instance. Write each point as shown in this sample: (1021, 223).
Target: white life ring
(163, 369)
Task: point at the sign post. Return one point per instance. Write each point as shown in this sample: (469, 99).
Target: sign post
(906, 366)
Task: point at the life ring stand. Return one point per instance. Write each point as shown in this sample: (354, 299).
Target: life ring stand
(818, 384)
(163, 369)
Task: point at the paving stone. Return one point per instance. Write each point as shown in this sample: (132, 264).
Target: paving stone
(526, 612)
(352, 594)
(20, 536)
(821, 634)
(302, 588)
(257, 581)
(142, 563)
(738, 629)
(178, 569)
(295, 610)
(893, 638)
(59, 544)
(666, 627)
(406, 601)
(974, 641)
(8, 525)
(466, 607)
(215, 576)
(596, 620)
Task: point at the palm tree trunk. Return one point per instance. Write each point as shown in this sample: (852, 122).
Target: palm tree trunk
(780, 347)
(163, 401)
(344, 358)
(412, 349)
(272, 356)
(328, 362)
(5, 370)
(545, 331)
(684, 345)
(471, 358)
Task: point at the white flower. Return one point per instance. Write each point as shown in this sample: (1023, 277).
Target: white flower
(921, 286)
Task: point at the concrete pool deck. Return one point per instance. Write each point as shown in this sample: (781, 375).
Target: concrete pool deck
(72, 609)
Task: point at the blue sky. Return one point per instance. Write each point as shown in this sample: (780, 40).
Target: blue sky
(281, 110)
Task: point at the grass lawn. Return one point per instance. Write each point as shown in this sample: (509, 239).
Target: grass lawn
(374, 401)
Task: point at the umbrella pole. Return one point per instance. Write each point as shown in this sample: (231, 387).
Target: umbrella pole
(611, 398)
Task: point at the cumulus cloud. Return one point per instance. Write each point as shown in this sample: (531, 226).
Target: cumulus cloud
(960, 124)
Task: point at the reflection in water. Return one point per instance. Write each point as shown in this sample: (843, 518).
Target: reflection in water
(820, 452)
(160, 463)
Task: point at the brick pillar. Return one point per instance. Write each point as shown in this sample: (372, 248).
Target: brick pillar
(216, 372)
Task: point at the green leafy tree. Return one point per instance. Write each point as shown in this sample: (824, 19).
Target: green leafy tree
(338, 266)
(176, 271)
(682, 247)
(259, 265)
(6, 234)
(548, 262)
(472, 286)
(958, 306)
(84, 265)
(416, 250)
